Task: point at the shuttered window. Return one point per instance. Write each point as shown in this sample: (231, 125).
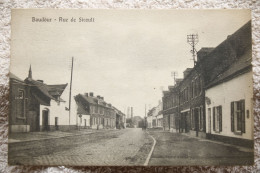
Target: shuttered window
(217, 119)
(238, 116)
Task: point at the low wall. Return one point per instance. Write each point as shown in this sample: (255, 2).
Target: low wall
(19, 128)
(60, 127)
(231, 140)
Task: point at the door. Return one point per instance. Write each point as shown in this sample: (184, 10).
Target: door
(85, 123)
(45, 120)
(56, 123)
(32, 120)
(196, 116)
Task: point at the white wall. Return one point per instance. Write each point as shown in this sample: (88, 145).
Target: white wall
(82, 122)
(150, 121)
(223, 94)
(58, 110)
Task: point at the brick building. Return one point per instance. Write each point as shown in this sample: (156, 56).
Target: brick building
(184, 104)
(101, 114)
(36, 106)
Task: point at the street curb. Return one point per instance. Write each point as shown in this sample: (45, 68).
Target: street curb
(151, 152)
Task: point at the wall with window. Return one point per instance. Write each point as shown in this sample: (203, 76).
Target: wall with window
(229, 108)
(19, 107)
(58, 110)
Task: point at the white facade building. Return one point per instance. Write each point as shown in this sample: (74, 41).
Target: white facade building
(56, 116)
(229, 104)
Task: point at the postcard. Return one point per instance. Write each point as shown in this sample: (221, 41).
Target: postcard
(131, 87)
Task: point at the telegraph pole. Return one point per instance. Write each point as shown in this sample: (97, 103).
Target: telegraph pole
(70, 89)
(174, 74)
(145, 117)
(193, 39)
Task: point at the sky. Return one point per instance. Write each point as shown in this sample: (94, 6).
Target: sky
(126, 56)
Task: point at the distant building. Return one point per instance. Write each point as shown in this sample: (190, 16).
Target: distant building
(98, 113)
(151, 119)
(132, 112)
(155, 116)
(128, 112)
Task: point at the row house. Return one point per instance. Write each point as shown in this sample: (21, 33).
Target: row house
(159, 115)
(36, 106)
(229, 94)
(120, 119)
(220, 82)
(96, 113)
(151, 118)
(171, 108)
(155, 116)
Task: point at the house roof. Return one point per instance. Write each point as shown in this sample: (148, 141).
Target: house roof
(40, 86)
(81, 109)
(51, 91)
(89, 99)
(12, 76)
(240, 66)
(56, 90)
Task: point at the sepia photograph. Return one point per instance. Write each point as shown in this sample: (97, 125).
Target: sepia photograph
(131, 88)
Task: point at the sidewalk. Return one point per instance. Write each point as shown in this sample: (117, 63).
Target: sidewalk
(35, 136)
(245, 149)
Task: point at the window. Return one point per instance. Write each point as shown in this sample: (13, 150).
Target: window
(21, 104)
(56, 121)
(20, 94)
(217, 119)
(209, 119)
(238, 116)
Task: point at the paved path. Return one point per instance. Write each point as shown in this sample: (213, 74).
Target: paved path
(118, 147)
(178, 149)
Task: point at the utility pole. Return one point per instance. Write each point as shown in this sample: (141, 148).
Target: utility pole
(145, 118)
(193, 39)
(70, 89)
(174, 74)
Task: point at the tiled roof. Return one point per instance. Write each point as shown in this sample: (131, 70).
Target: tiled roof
(88, 99)
(12, 76)
(56, 90)
(81, 109)
(237, 68)
(40, 86)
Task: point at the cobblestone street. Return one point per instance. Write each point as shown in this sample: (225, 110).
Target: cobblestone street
(113, 147)
(181, 149)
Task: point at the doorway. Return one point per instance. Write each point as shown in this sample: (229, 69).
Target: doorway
(45, 120)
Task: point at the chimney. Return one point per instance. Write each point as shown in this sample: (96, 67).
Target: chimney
(178, 81)
(86, 94)
(98, 96)
(30, 72)
(102, 98)
(132, 112)
(91, 94)
(186, 72)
